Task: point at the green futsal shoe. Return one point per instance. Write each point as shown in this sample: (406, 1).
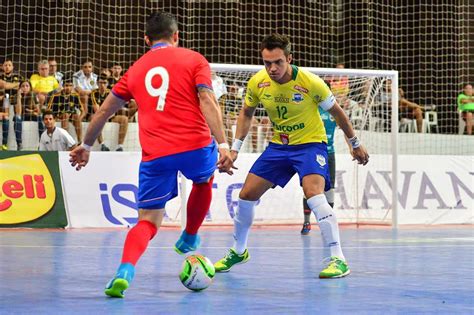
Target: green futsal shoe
(337, 268)
(119, 284)
(231, 259)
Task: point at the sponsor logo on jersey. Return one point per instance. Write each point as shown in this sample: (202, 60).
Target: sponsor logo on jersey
(318, 99)
(263, 84)
(297, 97)
(27, 189)
(267, 96)
(282, 99)
(320, 159)
(301, 89)
(288, 128)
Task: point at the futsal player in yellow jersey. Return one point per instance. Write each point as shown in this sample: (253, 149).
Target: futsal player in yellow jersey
(291, 97)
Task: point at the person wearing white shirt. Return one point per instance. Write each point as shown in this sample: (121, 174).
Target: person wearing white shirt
(85, 81)
(55, 138)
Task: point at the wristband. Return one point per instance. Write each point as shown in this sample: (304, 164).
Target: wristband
(223, 145)
(355, 142)
(237, 145)
(86, 147)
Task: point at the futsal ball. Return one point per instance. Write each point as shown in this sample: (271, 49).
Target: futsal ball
(197, 272)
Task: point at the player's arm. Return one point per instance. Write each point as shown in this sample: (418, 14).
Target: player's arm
(359, 153)
(79, 156)
(212, 113)
(244, 122)
(18, 104)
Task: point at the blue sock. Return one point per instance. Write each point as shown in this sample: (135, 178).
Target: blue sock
(126, 271)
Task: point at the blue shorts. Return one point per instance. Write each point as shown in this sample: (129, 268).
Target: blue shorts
(157, 181)
(278, 163)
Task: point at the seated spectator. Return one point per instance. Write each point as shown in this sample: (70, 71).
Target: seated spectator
(339, 85)
(466, 106)
(98, 97)
(27, 108)
(4, 116)
(130, 107)
(67, 105)
(84, 81)
(53, 70)
(407, 109)
(44, 84)
(410, 110)
(9, 76)
(55, 138)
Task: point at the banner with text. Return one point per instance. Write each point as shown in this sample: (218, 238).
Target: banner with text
(31, 193)
(431, 190)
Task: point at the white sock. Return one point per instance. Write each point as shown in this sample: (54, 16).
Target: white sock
(327, 224)
(242, 222)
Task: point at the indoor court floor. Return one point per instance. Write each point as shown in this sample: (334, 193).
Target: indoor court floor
(409, 271)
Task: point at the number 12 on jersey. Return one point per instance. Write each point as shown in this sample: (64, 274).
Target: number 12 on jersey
(162, 90)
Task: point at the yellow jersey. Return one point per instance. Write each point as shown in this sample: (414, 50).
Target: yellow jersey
(43, 84)
(292, 107)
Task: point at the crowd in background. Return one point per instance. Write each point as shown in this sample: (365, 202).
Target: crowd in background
(74, 98)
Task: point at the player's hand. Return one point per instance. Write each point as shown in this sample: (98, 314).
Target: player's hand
(360, 155)
(234, 155)
(79, 157)
(225, 163)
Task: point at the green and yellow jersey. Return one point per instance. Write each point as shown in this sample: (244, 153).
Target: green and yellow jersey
(292, 107)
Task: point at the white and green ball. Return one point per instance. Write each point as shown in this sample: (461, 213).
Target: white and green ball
(197, 272)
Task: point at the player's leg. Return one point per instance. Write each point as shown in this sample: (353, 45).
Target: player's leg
(329, 195)
(313, 186)
(307, 218)
(199, 166)
(156, 185)
(76, 119)
(270, 169)
(149, 221)
(312, 166)
(254, 187)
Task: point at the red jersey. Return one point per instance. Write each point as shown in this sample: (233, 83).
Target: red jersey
(164, 84)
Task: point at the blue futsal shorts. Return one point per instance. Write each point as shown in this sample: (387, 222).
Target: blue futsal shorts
(158, 183)
(278, 163)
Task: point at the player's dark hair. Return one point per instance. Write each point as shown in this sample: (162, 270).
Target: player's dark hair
(7, 59)
(276, 40)
(48, 112)
(160, 25)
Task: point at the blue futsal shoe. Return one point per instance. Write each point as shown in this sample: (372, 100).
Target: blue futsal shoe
(187, 243)
(124, 276)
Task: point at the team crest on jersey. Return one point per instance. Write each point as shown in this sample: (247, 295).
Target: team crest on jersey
(297, 97)
(320, 159)
(263, 84)
(301, 89)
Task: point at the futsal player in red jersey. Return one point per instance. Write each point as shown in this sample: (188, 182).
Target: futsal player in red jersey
(177, 112)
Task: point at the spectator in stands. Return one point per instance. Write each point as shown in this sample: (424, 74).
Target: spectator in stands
(340, 86)
(407, 109)
(53, 70)
(466, 106)
(116, 74)
(98, 97)
(4, 116)
(131, 107)
(44, 84)
(27, 108)
(84, 81)
(9, 76)
(67, 105)
(55, 138)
